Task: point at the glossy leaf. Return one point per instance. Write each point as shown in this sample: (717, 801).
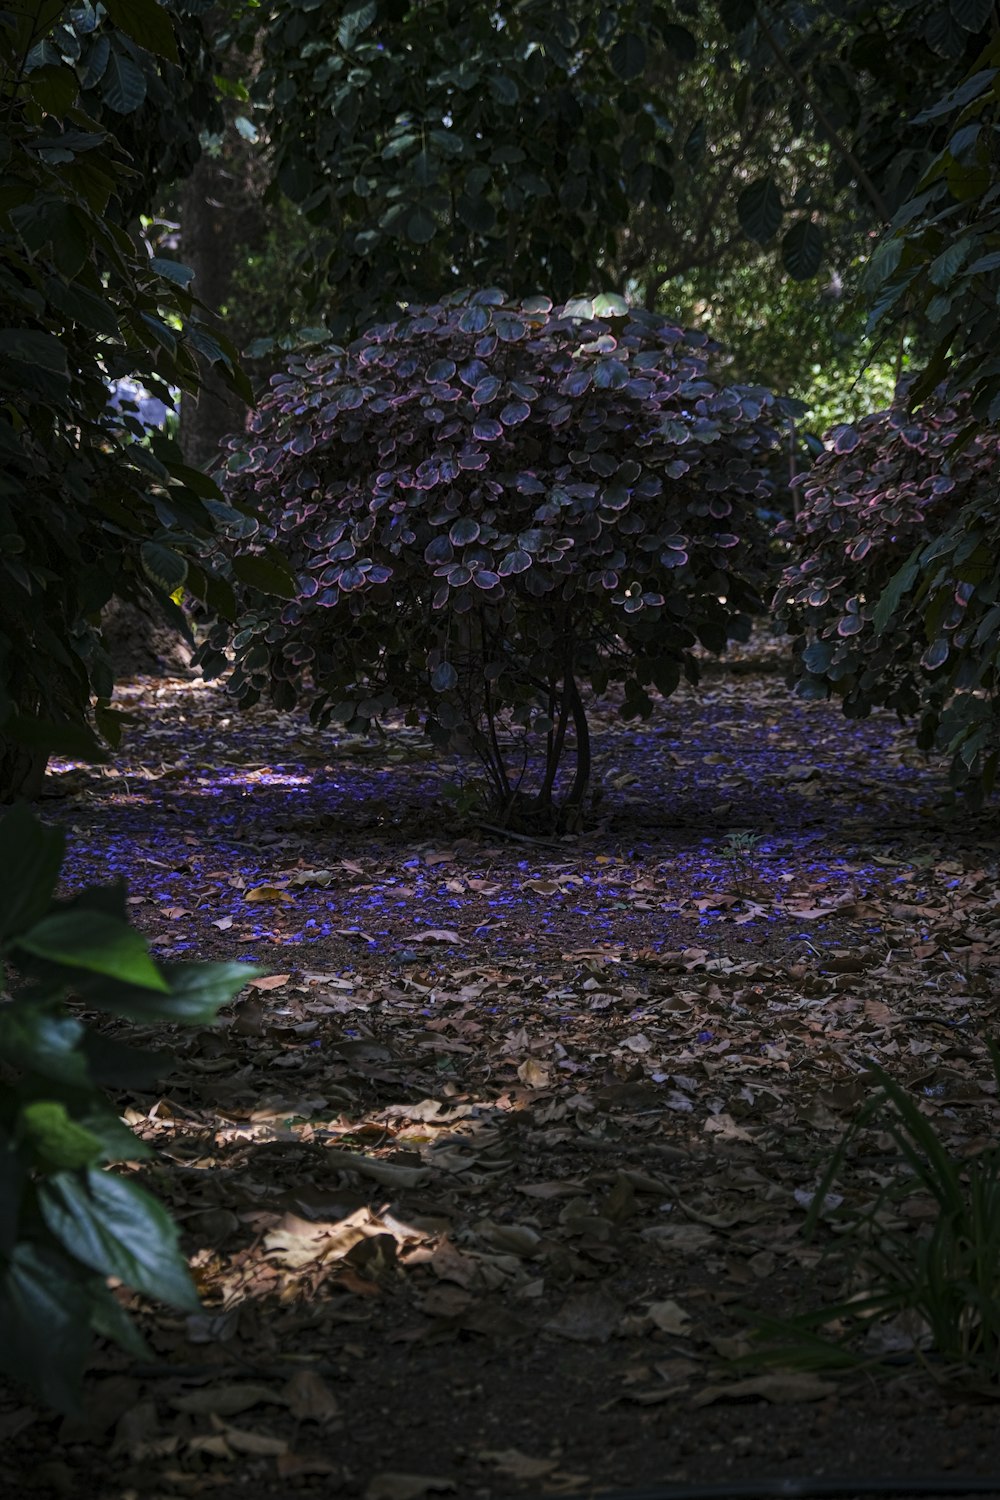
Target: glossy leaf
(760, 209)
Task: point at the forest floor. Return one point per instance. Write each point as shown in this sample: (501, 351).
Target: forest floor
(486, 1181)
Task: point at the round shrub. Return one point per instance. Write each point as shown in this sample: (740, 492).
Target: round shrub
(893, 590)
(488, 505)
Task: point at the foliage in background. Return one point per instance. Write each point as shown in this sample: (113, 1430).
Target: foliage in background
(67, 1224)
(941, 258)
(489, 503)
(929, 1288)
(93, 505)
(444, 145)
(893, 593)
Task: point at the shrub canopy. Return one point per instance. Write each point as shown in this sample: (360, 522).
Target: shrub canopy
(893, 591)
(488, 504)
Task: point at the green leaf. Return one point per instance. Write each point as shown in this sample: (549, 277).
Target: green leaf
(610, 305)
(972, 15)
(76, 305)
(420, 227)
(760, 209)
(628, 56)
(123, 87)
(30, 859)
(55, 88)
(45, 1316)
(173, 270)
(167, 568)
(57, 1141)
(32, 347)
(39, 1038)
(959, 97)
(90, 940)
(356, 19)
(198, 991)
(893, 592)
(147, 23)
(943, 267)
(943, 35)
(116, 1227)
(265, 574)
(802, 250)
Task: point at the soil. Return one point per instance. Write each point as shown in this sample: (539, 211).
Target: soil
(486, 1183)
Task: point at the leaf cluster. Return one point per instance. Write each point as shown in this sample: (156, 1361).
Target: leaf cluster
(439, 145)
(487, 498)
(92, 506)
(67, 1224)
(893, 590)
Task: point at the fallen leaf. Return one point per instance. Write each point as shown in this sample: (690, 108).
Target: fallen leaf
(517, 1464)
(309, 1398)
(669, 1317)
(781, 1387)
(436, 935)
(270, 982)
(587, 1317)
(257, 1443)
(262, 893)
(227, 1400)
(391, 1486)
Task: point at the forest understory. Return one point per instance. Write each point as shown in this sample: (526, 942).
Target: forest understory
(486, 1181)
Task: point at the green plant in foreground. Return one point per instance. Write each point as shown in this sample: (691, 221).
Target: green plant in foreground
(67, 1224)
(739, 851)
(937, 1284)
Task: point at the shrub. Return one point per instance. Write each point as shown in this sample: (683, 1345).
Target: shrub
(66, 1224)
(488, 505)
(894, 591)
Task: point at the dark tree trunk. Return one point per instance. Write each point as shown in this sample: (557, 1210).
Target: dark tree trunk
(222, 219)
(206, 246)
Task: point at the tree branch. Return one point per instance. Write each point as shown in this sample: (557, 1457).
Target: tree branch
(839, 145)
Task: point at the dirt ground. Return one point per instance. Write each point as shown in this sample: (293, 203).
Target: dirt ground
(487, 1180)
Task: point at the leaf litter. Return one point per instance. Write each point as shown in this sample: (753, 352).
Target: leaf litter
(484, 1182)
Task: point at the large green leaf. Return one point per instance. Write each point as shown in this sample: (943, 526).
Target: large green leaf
(265, 573)
(198, 991)
(760, 209)
(115, 1227)
(32, 347)
(123, 86)
(147, 23)
(45, 1317)
(802, 250)
(38, 1037)
(167, 568)
(628, 56)
(973, 15)
(30, 858)
(96, 942)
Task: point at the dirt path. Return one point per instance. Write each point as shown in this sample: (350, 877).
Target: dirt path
(486, 1183)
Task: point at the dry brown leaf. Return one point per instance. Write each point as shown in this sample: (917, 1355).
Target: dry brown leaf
(310, 1398)
(669, 1317)
(587, 1317)
(270, 982)
(227, 1400)
(240, 1441)
(516, 1464)
(781, 1387)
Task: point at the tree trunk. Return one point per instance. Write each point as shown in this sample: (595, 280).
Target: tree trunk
(206, 246)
